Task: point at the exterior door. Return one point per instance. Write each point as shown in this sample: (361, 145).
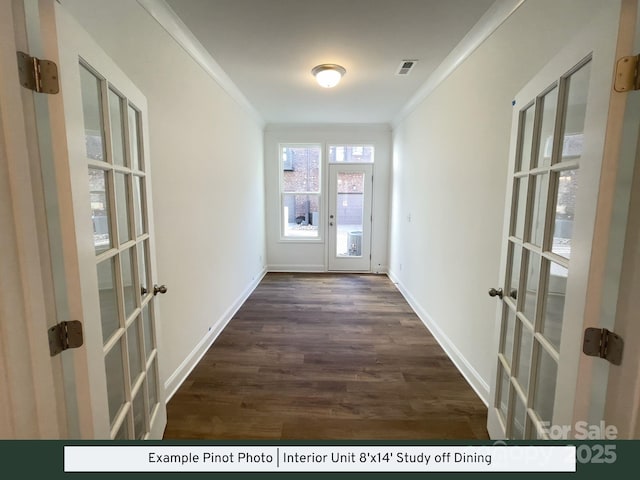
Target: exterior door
(558, 140)
(349, 229)
(101, 217)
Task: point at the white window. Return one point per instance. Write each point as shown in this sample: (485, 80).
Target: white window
(300, 189)
(351, 153)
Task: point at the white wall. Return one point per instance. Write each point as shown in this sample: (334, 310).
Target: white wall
(207, 176)
(312, 256)
(449, 180)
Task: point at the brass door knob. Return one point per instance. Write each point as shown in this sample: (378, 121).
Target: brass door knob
(159, 289)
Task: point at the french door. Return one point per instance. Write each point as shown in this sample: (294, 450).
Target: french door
(110, 258)
(558, 134)
(349, 229)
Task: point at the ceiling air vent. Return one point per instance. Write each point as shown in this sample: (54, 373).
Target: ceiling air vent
(405, 67)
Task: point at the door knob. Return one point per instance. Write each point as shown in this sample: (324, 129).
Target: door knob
(495, 293)
(159, 289)
(331, 224)
(143, 291)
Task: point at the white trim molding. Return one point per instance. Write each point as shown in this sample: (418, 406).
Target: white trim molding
(495, 16)
(182, 372)
(471, 375)
(175, 27)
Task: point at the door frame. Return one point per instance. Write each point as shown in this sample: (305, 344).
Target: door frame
(367, 232)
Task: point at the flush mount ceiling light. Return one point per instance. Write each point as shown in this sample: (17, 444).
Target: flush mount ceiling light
(328, 75)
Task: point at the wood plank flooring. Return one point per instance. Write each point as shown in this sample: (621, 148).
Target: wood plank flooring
(324, 356)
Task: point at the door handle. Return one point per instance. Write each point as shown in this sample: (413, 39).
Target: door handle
(495, 293)
(159, 289)
(331, 224)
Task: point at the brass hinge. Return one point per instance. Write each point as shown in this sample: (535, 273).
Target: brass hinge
(627, 77)
(600, 342)
(65, 335)
(38, 75)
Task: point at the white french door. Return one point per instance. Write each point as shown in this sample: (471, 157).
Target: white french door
(558, 138)
(100, 146)
(349, 229)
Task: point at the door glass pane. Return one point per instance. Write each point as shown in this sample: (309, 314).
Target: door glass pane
(123, 431)
(351, 153)
(301, 215)
(524, 159)
(508, 326)
(138, 415)
(349, 213)
(541, 186)
(108, 299)
(554, 304)
(504, 393)
(133, 347)
(92, 115)
(301, 172)
(129, 294)
(115, 380)
(122, 206)
(148, 331)
(134, 127)
(531, 286)
(524, 357)
(520, 196)
(142, 269)
(578, 87)
(566, 190)
(514, 276)
(549, 107)
(137, 204)
(99, 198)
(519, 418)
(117, 132)
(152, 383)
(544, 395)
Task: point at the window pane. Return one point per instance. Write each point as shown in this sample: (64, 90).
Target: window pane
(129, 294)
(134, 127)
(507, 339)
(531, 286)
(142, 269)
(524, 357)
(523, 161)
(549, 107)
(138, 415)
(92, 115)
(566, 190)
(122, 206)
(137, 204)
(148, 331)
(108, 299)
(117, 132)
(554, 304)
(301, 215)
(504, 393)
(115, 380)
(133, 346)
(514, 275)
(520, 197)
(545, 386)
(349, 222)
(518, 420)
(351, 154)
(541, 187)
(152, 383)
(578, 87)
(304, 172)
(99, 198)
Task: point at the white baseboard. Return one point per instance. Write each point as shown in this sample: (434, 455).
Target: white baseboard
(182, 372)
(470, 374)
(296, 268)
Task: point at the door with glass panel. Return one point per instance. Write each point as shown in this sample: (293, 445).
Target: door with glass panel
(557, 139)
(109, 166)
(350, 186)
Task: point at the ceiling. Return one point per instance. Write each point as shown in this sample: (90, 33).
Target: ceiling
(268, 48)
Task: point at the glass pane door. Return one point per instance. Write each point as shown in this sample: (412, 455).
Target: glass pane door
(116, 176)
(545, 182)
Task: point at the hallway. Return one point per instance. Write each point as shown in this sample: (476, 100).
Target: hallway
(324, 356)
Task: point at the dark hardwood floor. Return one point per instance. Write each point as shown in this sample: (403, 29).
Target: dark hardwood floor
(324, 356)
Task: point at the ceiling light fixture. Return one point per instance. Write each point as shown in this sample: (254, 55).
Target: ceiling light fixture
(328, 75)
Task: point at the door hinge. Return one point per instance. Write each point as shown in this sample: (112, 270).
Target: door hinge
(627, 77)
(600, 342)
(38, 75)
(65, 335)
